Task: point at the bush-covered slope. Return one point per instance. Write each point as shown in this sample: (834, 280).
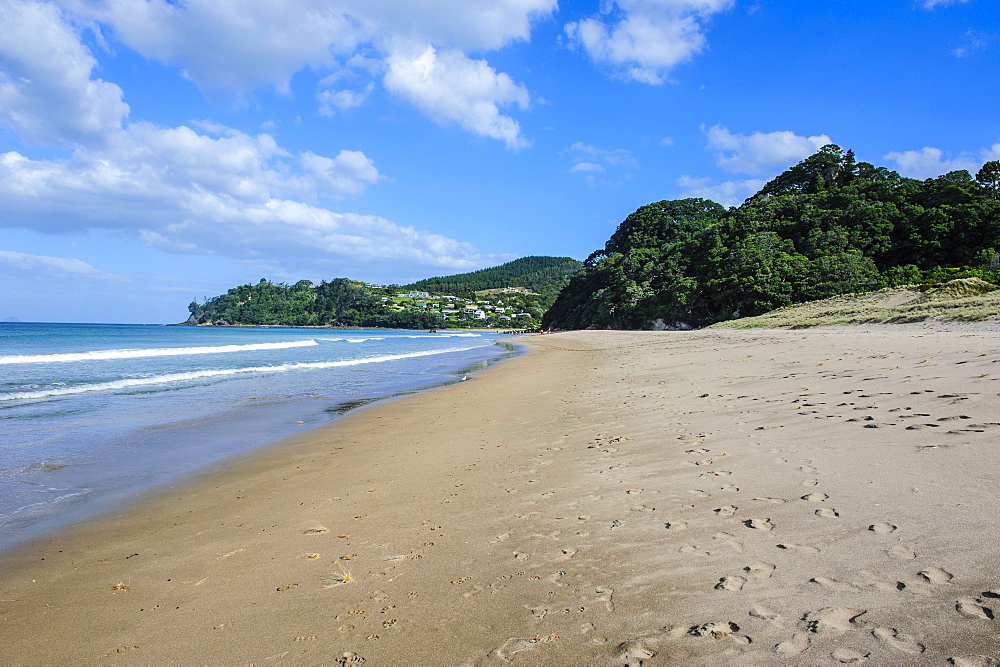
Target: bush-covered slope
(544, 275)
(343, 302)
(827, 226)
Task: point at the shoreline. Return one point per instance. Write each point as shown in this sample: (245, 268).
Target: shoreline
(198, 444)
(708, 496)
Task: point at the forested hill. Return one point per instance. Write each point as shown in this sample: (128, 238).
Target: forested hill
(827, 226)
(544, 275)
(349, 303)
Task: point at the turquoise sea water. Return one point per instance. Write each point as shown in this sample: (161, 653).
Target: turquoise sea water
(93, 414)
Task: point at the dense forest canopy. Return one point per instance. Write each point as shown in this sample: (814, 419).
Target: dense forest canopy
(829, 225)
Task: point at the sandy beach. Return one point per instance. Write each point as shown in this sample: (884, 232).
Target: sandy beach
(766, 496)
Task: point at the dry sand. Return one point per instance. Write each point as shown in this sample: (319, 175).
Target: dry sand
(676, 497)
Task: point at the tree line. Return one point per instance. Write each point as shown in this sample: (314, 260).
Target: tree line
(339, 302)
(829, 225)
(544, 275)
(342, 302)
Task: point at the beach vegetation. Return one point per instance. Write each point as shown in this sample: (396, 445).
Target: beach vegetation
(830, 225)
(339, 578)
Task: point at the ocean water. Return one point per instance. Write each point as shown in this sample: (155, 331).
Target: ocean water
(94, 415)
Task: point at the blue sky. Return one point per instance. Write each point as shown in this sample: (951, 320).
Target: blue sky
(155, 152)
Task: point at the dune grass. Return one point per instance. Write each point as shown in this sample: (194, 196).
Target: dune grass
(964, 300)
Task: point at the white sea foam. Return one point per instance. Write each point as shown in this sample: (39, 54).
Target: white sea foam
(171, 378)
(95, 355)
(353, 339)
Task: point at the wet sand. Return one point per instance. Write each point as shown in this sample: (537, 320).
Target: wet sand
(611, 497)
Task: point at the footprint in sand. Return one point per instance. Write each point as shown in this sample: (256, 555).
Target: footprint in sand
(633, 652)
(715, 473)
(833, 584)
(850, 656)
(731, 584)
(759, 524)
(827, 512)
(714, 629)
(566, 553)
(759, 570)
(676, 525)
(605, 595)
(799, 548)
(797, 644)
(692, 550)
(974, 608)
(767, 614)
(514, 645)
(902, 551)
(832, 619)
(810, 482)
(538, 613)
(936, 575)
(770, 499)
(726, 511)
(882, 528)
(899, 641)
(350, 658)
(729, 488)
(730, 540)
(815, 497)
(641, 508)
(972, 661)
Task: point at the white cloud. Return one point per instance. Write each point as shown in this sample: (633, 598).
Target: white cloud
(934, 4)
(760, 152)
(728, 193)
(975, 40)
(44, 266)
(644, 39)
(231, 47)
(587, 168)
(348, 173)
(461, 24)
(329, 100)
(583, 153)
(450, 87)
(46, 93)
(931, 162)
(169, 207)
(206, 189)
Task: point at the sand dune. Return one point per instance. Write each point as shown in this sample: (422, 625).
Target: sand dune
(718, 496)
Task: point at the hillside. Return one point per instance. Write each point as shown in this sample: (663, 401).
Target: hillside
(829, 225)
(545, 276)
(962, 300)
(347, 303)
